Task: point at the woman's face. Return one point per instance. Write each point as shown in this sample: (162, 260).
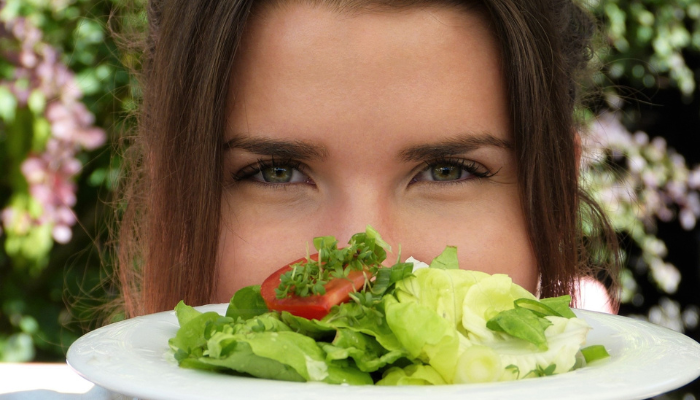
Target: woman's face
(396, 119)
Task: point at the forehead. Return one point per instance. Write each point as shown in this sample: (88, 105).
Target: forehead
(306, 68)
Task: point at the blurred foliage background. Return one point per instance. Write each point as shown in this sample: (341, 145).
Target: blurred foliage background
(67, 98)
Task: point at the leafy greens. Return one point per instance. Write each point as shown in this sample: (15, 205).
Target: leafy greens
(409, 325)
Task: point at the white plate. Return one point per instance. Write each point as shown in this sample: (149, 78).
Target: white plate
(132, 357)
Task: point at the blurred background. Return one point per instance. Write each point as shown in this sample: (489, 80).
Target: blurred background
(67, 100)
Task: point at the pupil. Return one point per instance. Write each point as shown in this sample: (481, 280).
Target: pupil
(445, 173)
(277, 174)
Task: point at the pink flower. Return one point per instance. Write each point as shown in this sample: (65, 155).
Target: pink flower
(91, 138)
(34, 169)
(71, 167)
(687, 219)
(65, 215)
(28, 58)
(62, 234)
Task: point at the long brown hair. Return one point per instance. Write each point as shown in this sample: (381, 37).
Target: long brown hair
(169, 231)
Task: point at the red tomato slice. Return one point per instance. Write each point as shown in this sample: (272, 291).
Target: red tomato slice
(315, 306)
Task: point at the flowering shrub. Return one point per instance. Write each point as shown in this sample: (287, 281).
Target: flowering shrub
(51, 57)
(647, 39)
(652, 48)
(653, 184)
(42, 87)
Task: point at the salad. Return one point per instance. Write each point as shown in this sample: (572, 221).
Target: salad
(340, 317)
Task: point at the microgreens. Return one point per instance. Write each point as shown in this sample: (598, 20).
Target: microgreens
(365, 252)
(539, 371)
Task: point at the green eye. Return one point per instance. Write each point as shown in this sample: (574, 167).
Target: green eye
(277, 174)
(446, 172)
(452, 170)
(273, 172)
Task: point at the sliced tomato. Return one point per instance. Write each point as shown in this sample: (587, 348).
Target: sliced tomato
(315, 306)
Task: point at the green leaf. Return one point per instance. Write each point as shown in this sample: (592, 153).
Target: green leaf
(386, 278)
(401, 271)
(414, 374)
(38, 243)
(313, 328)
(18, 348)
(10, 10)
(304, 355)
(446, 260)
(8, 105)
(425, 334)
(193, 324)
(42, 133)
(36, 102)
(373, 234)
(549, 370)
(89, 31)
(368, 354)
(594, 353)
(478, 364)
(269, 322)
(325, 243)
(441, 290)
(523, 324)
(560, 304)
(538, 308)
(244, 360)
(371, 322)
(88, 82)
(514, 369)
(246, 303)
(185, 313)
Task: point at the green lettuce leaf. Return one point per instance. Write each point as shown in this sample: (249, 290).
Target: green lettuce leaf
(296, 350)
(358, 318)
(386, 278)
(560, 304)
(478, 364)
(246, 303)
(242, 359)
(484, 300)
(190, 337)
(565, 336)
(594, 353)
(185, 313)
(436, 342)
(441, 290)
(305, 356)
(415, 374)
(447, 259)
(293, 350)
(523, 324)
(365, 351)
(311, 328)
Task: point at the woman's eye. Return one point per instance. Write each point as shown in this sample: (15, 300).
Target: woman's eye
(447, 173)
(278, 173)
(451, 171)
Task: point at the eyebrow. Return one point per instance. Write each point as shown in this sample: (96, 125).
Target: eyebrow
(453, 146)
(278, 148)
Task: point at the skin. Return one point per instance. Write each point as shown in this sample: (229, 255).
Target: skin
(361, 90)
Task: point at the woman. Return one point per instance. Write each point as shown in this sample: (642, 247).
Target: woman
(267, 123)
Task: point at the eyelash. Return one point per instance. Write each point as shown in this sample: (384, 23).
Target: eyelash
(253, 169)
(472, 167)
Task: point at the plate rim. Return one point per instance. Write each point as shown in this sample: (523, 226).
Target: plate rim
(131, 326)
